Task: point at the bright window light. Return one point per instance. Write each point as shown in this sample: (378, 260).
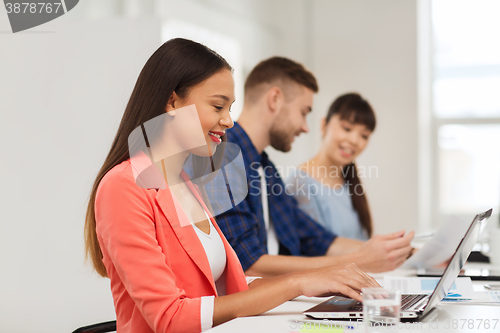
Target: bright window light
(466, 106)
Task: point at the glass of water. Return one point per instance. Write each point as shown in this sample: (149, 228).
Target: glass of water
(381, 308)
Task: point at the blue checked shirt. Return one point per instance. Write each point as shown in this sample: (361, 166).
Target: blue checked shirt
(243, 225)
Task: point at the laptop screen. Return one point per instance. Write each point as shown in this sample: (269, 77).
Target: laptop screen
(458, 260)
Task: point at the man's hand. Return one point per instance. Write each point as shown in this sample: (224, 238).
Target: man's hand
(383, 253)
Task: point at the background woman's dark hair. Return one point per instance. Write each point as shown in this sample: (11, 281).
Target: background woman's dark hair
(353, 108)
(177, 65)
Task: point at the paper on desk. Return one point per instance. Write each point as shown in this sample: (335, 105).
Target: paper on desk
(460, 290)
(441, 246)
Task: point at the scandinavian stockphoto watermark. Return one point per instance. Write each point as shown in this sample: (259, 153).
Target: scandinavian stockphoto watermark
(25, 15)
(305, 185)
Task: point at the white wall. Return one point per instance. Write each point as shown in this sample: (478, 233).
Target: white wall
(254, 24)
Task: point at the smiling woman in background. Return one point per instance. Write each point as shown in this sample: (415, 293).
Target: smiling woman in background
(147, 226)
(327, 186)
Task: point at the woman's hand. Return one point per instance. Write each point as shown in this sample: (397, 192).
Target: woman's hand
(345, 279)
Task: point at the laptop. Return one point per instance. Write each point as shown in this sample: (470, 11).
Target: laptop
(413, 306)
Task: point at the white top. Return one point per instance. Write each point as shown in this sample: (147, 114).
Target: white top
(216, 255)
(214, 249)
(272, 240)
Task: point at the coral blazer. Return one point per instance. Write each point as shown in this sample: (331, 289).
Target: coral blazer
(155, 261)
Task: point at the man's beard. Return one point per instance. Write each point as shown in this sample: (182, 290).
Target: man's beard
(281, 138)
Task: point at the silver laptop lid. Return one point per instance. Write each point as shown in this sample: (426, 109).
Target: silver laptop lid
(458, 259)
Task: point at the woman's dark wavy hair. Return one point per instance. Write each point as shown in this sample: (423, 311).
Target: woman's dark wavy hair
(355, 109)
(177, 65)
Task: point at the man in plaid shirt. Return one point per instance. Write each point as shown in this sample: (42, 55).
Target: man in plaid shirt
(273, 236)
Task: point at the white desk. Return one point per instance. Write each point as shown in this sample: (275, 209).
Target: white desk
(284, 318)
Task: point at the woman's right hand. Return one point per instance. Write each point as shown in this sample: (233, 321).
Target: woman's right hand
(267, 293)
(345, 279)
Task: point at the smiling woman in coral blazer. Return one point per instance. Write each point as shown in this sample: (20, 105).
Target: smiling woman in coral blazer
(162, 287)
(147, 227)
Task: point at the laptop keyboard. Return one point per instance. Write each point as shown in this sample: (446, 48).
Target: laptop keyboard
(407, 301)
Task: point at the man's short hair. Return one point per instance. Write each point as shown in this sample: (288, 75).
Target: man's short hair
(277, 71)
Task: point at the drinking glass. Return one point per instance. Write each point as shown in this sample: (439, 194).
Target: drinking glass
(381, 308)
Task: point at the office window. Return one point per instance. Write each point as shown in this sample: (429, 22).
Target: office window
(469, 167)
(465, 106)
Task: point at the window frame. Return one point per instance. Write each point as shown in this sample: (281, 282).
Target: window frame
(430, 215)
